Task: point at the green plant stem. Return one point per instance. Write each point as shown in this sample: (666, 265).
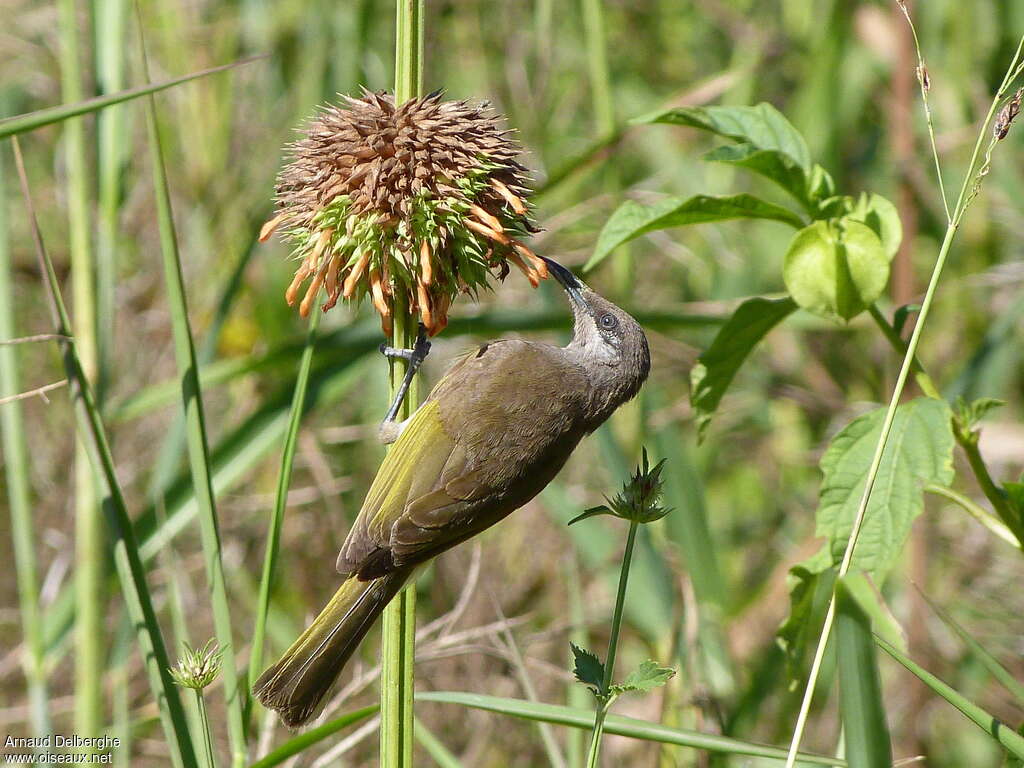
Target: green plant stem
(127, 561)
(613, 645)
(89, 546)
(195, 421)
(281, 499)
(398, 645)
(204, 718)
(16, 472)
(980, 514)
(963, 201)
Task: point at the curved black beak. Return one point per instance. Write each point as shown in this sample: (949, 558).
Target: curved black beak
(572, 285)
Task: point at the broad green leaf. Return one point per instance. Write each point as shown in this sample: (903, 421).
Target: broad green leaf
(633, 219)
(32, 120)
(715, 369)
(618, 725)
(810, 589)
(882, 218)
(860, 689)
(588, 669)
(998, 730)
(770, 163)
(644, 678)
(919, 452)
(836, 270)
(763, 127)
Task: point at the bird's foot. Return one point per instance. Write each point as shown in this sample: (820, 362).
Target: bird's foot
(415, 358)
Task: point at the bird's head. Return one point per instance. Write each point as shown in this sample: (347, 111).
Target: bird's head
(606, 340)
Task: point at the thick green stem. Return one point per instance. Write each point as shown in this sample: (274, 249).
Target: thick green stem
(89, 546)
(613, 645)
(398, 648)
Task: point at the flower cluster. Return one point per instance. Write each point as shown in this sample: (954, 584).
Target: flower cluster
(407, 205)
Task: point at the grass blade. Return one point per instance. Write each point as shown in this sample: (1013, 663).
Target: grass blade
(198, 447)
(16, 472)
(618, 725)
(30, 121)
(438, 752)
(998, 730)
(860, 688)
(127, 562)
(305, 740)
(284, 475)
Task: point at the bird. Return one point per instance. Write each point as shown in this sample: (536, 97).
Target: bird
(492, 433)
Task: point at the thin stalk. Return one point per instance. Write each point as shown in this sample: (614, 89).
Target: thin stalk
(16, 470)
(204, 718)
(281, 500)
(969, 185)
(980, 514)
(613, 644)
(90, 554)
(398, 651)
(127, 561)
(195, 420)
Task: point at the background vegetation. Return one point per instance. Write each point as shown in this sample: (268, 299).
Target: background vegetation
(708, 589)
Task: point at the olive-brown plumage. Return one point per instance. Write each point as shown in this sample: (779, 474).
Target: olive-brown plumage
(491, 435)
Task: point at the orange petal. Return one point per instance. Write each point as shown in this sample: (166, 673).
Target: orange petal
(531, 274)
(355, 274)
(268, 229)
(538, 263)
(310, 297)
(440, 315)
(426, 268)
(423, 299)
(517, 204)
(377, 293)
(293, 290)
(486, 217)
(321, 243)
(332, 277)
(483, 229)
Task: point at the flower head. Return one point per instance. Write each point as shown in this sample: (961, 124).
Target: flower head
(197, 668)
(407, 204)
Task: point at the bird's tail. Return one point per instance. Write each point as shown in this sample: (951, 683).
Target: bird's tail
(296, 685)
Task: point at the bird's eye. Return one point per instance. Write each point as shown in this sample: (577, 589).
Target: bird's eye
(608, 321)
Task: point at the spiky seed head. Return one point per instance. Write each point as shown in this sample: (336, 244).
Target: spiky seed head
(408, 204)
(197, 668)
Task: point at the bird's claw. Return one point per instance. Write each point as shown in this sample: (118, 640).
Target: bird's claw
(415, 357)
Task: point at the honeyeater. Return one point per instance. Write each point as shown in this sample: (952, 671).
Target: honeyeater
(493, 432)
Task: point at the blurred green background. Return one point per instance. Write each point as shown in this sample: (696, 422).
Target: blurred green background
(709, 586)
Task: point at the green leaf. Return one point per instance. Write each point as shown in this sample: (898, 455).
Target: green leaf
(645, 678)
(882, 218)
(970, 413)
(883, 623)
(633, 219)
(592, 512)
(860, 689)
(919, 452)
(762, 127)
(810, 589)
(308, 738)
(836, 269)
(588, 670)
(998, 730)
(618, 725)
(715, 369)
(770, 163)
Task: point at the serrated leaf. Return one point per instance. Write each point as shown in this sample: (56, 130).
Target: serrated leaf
(588, 669)
(644, 678)
(835, 270)
(715, 369)
(919, 451)
(761, 126)
(632, 219)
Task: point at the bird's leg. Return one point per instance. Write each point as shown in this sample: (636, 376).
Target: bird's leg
(389, 428)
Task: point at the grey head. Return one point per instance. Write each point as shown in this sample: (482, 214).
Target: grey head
(607, 342)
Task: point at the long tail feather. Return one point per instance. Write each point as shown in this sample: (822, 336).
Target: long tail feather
(296, 685)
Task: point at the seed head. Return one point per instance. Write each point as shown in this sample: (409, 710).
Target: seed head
(409, 204)
(1007, 115)
(196, 669)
